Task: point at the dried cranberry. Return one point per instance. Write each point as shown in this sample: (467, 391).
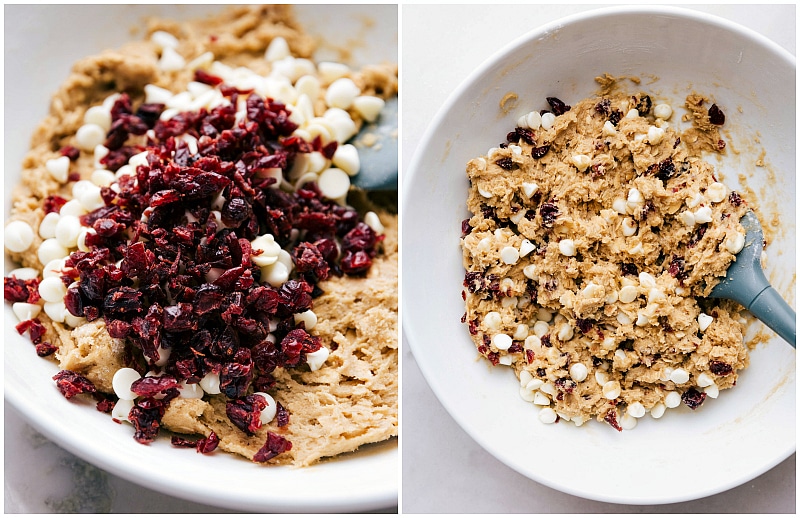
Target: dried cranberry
(274, 446)
(505, 163)
(644, 105)
(540, 151)
(281, 415)
(146, 419)
(611, 418)
(558, 106)
(720, 368)
(208, 444)
(44, 349)
(53, 203)
(735, 199)
(70, 384)
(70, 152)
(245, 412)
(628, 269)
(693, 398)
(153, 385)
(716, 115)
(549, 213)
(20, 290)
(603, 107)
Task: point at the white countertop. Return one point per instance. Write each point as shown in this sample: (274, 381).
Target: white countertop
(444, 470)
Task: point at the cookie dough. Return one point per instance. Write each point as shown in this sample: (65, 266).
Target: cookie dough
(596, 236)
(351, 399)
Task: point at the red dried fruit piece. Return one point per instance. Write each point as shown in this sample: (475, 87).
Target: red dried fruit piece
(146, 419)
(153, 385)
(245, 412)
(558, 106)
(540, 151)
(281, 415)
(20, 290)
(44, 349)
(693, 398)
(308, 259)
(715, 115)
(53, 203)
(298, 342)
(33, 327)
(611, 418)
(505, 163)
(182, 442)
(274, 446)
(644, 105)
(70, 384)
(549, 213)
(735, 199)
(208, 444)
(201, 76)
(70, 152)
(720, 368)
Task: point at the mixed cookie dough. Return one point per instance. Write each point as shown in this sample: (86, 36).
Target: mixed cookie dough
(597, 234)
(221, 139)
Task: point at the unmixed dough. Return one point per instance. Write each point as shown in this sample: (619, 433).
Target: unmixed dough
(595, 238)
(352, 399)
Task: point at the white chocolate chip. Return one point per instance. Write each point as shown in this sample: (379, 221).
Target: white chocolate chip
(317, 358)
(334, 183)
(687, 218)
(635, 200)
(712, 391)
(565, 332)
(25, 311)
(632, 113)
(502, 341)
(658, 410)
(629, 227)
(704, 380)
(567, 247)
(717, 192)
(581, 162)
(529, 189)
(50, 249)
(578, 372)
(608, 129)
(636, 409)
(611, 389)
(679, 376)
(547, 415)
(341, 93)
(89, 136)
(703, 215)
(277, 49)
(655, 135)
(509, 255)
(628, 422)
(628, 294)
(620, 206)
(672, 399)
(122, 381)
(210, 383)
(734, 242)
(704, 321)
(170, 60)
(531, 120)
(368, 106)
(122, 408)
(526, 247)
(58, 168)
(662, 111)
(548, 120)
(492, 320)
(346, 158)
(18, 236)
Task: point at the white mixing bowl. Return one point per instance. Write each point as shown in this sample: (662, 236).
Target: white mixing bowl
(684, 455)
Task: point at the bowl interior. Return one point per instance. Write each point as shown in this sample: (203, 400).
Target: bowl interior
(673, 52)
(366, 480)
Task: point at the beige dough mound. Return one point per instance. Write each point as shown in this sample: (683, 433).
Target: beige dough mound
(597, 234)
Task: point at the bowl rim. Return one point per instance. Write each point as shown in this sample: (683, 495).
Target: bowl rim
(413, 171)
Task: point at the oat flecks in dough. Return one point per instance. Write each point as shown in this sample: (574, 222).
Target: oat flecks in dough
(626, 246)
